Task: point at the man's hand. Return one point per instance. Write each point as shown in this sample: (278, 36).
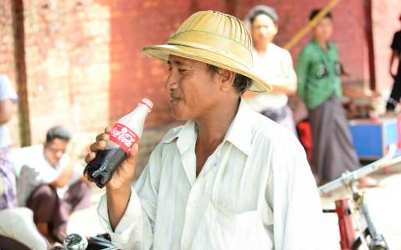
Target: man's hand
(125, 173)
(118, 189)
(64, 177)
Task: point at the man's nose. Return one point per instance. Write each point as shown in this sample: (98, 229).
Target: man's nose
(59, 154)
(264, 31)
(171, 82)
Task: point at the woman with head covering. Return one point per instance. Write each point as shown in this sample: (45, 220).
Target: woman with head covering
(274, 64)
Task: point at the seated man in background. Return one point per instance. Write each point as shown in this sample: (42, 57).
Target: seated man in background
(49, 184)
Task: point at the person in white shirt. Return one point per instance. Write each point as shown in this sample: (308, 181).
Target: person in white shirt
(49, 184)
(8, 99)
(229, 178)
(17, 230)
(274, 64)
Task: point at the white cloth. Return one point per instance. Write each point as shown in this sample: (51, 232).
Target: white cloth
(256, 191)
(6, 92)
(276, 63)
(33, 169)
(17, 224)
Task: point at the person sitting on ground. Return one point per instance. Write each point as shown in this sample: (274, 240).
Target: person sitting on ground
(17, 230)
(49, 184)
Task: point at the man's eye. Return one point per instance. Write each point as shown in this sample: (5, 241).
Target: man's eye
(182, 70)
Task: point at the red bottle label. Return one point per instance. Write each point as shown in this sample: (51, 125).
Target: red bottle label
(123, 136)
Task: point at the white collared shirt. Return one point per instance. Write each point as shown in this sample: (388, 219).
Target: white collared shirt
(6, 92)
(33, 168)
(256, 191)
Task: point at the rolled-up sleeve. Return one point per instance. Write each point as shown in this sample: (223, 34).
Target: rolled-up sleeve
(135, 229)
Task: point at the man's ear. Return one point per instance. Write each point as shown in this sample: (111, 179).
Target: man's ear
(227, 79)
(275, 29)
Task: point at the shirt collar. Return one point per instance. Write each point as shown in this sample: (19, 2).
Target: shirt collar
(330, 45)
(239, 133)
(185, 136)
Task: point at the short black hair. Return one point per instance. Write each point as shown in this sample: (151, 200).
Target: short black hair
(268, 11)
(314, 13)
(57, 132)
(241, 82)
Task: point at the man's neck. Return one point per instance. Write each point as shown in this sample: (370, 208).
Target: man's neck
(324, 44)
(212, 130)
(48, 161)
(214, 127)
(262, 47)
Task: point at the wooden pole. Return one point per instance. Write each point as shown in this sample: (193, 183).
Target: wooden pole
(312, 23)
(20, 67)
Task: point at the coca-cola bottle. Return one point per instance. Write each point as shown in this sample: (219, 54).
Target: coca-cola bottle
(123, 135)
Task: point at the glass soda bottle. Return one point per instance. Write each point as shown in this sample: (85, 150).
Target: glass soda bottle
(123, 135)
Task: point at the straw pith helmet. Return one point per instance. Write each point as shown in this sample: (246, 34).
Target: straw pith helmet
(215, 38)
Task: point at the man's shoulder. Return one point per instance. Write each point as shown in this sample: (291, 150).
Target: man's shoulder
(279, 53)
(310, 46)
(309, 49)
(278, 49)
(27, 156)
(32, 150)
(264, 129)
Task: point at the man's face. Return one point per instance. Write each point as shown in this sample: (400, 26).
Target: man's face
(263, 30)
(192, 88)
(324, 29)
(54, 150)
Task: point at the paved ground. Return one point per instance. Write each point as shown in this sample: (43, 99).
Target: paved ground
(385, 208)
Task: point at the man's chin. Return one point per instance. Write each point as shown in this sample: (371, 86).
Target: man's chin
(178, 117)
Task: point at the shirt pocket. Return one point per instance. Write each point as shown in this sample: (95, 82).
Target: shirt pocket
(225, 229)
(319, 70)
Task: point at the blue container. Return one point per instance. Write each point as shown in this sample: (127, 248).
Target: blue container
(372, 138)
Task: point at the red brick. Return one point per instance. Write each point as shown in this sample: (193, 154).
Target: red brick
(85, 67)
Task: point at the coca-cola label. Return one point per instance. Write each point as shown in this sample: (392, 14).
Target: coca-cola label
(123, 136)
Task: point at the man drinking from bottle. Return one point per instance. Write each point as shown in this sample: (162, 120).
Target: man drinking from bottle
(229, 178)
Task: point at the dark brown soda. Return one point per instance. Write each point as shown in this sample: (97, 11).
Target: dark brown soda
(101, 169)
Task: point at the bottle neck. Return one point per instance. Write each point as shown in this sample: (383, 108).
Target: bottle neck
(135, 119)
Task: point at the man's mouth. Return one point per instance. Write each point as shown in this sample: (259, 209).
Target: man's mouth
(174, 99)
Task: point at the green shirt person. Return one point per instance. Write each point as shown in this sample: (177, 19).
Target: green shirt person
(319, 86)
(318, 72)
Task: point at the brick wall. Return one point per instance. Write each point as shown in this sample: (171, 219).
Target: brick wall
(137, 24)
(85, 67)
(349, 24)
(384, 26)
(67, 57)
